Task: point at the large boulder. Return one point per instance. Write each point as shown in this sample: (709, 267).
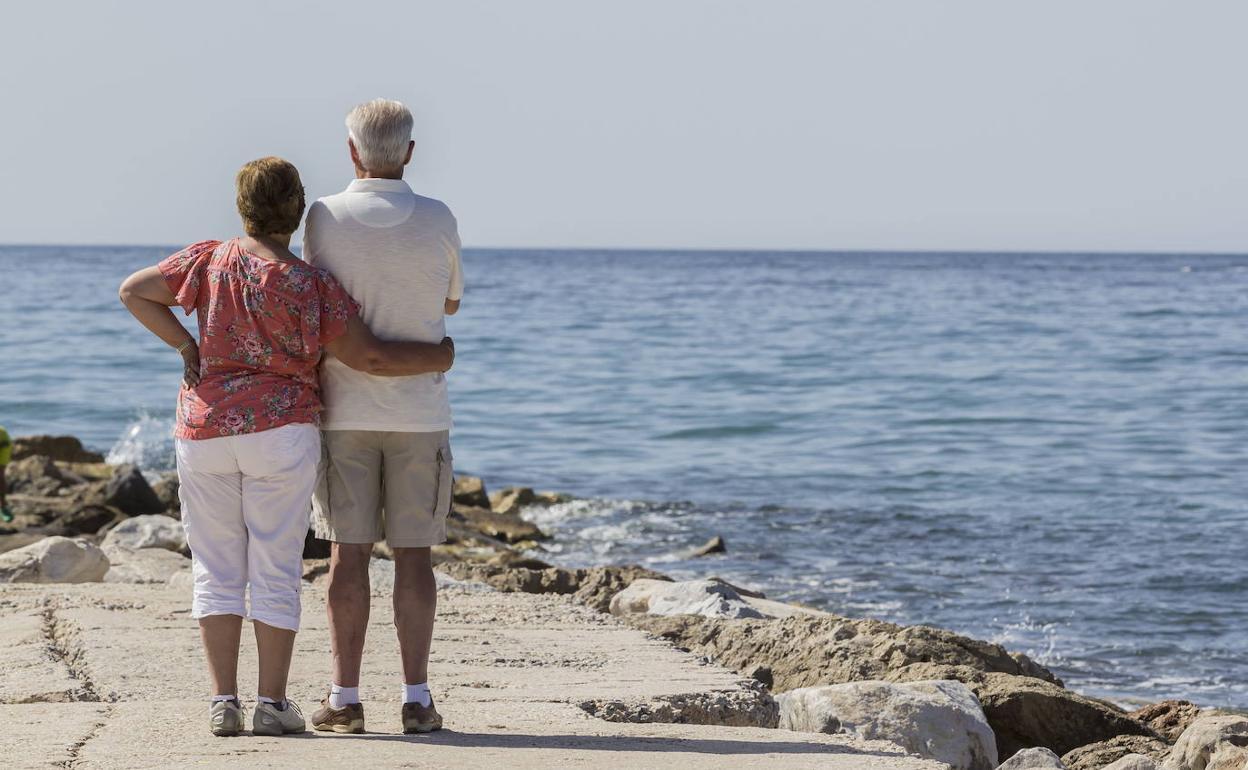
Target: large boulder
(150, 531)
(1033, 759)
(39, 475)
(470, 491)
(707, 598)
(84, 520)
(130, 492)
(509, 500)
(939, 720)
(144, 565)
(597, 586)
(508, 528)
(54, 560)
(63, 448)
(1132, 762)
(1094, 756)
(1168, 717)
(1026, 712)
(1229, 756)
(1203, 737)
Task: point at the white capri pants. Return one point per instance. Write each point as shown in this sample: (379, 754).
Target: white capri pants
(246, 502)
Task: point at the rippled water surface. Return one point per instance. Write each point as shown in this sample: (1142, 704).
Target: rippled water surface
(1046, 451)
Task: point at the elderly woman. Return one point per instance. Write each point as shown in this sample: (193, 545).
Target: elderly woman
(247, 438)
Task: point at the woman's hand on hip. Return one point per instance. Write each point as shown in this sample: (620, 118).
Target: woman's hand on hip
(190, 365)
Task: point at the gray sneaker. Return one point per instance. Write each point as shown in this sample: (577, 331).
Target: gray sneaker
(270, 720)
(225, 718)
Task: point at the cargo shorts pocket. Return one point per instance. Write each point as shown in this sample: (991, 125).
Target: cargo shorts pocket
(443, 487)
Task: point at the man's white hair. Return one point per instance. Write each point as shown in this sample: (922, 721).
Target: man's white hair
(381, 130)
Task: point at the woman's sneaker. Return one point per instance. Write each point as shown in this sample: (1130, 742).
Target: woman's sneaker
(421, 719)
(268, 719)
(348, 719)
(225, 718)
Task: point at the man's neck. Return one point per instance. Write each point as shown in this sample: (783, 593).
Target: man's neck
(365, 174)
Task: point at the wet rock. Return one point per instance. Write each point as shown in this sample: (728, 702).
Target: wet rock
(749, 705)
(1132, 762)
(1033, 759)
(145, 565)
(470, 490)
(1168, 717)
(1025, 712)
(64, 448)
(714, 545)
(166, 489)
(54, 560)
(85, 520)
(939, 720)
(1097, 755)
(1197, 744)
(506, 527)
(707, 598)
(510, 500)
(130, 492)
(149, 531)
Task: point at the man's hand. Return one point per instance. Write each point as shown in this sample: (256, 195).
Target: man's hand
(449, 343)
(190, 365)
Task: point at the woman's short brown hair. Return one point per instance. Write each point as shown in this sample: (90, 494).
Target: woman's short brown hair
(270, 197)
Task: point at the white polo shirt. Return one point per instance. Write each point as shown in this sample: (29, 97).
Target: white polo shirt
(397, 254)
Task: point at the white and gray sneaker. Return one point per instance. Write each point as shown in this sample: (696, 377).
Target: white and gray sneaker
(268, 719)
(225, 718)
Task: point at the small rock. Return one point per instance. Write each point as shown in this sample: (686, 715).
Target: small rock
(54, 560)
(146, 565)
(706, 598)
(509, 500)
(149, 531)
(64, 448)
(506, 527)
(1196, 746)
(1132, 762)
(939, 720)
(714, 545)
(1168, 717)
(550, 498)
(598, 585)
(747, 705)
(1037, 758)
(130, 492)
(85, 520)
(470, 490)
(1094, 756)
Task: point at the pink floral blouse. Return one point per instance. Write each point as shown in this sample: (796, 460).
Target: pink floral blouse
(262, 328)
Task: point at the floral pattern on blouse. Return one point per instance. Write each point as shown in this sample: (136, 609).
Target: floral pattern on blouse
(262, 328)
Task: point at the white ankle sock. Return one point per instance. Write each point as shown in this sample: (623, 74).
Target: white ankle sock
(343, 696)
(280, 704)
(417, 693)
(217, 698)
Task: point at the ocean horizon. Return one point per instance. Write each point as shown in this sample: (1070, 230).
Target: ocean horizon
(1041, 449)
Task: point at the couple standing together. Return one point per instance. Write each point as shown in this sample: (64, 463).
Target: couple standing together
(356, 331)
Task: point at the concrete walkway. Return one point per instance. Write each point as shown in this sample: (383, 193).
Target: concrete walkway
(111, 676)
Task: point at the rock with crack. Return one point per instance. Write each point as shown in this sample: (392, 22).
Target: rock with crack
(1094, 756)
(747, 705)
(1168, 717)
(54, 560)
(143, 565)
(39, 475)
(1203, 737)
(706, 598)
(938, 720)
(1229, 756)
(149, 531)
(1033, 759)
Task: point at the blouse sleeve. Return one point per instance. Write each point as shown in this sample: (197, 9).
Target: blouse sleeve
(184, 272)
(337, 308)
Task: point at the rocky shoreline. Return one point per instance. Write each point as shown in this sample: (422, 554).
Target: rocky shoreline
(939, 695)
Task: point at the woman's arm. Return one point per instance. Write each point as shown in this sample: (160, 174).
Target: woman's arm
(359, 349)
(148, 298)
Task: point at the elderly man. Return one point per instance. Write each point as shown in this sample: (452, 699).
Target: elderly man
(387, 457)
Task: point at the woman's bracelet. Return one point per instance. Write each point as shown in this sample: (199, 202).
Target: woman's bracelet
(182, 348)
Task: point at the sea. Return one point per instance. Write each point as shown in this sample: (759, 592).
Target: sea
(1048, 451)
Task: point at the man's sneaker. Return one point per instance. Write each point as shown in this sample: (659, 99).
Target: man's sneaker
(348, 719)
(268, 719)
(421, 719)
(225, 718)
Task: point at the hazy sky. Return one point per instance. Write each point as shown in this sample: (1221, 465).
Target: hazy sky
(924, 124)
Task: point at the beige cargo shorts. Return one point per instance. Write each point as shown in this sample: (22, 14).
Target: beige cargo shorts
(383, 485)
